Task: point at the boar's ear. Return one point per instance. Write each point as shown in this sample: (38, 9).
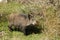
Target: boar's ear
(30, 16)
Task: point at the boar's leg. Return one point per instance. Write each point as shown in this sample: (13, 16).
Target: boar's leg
(10, 28)
(26, 31)
(17, 27)
(23, 29)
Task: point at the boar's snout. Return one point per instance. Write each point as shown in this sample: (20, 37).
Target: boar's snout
(35, 23)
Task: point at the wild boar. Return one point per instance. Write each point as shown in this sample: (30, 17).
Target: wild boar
(20, 21)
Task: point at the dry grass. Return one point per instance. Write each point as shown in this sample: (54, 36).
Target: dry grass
(48, 16)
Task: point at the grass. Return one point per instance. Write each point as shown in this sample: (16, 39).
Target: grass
(49, 21)
(15, 35)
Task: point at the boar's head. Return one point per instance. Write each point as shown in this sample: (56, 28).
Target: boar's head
(32, 19)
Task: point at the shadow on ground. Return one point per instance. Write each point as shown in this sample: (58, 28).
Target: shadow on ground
(30, 29)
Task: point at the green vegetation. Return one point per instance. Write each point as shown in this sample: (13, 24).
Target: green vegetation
(49, 22)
